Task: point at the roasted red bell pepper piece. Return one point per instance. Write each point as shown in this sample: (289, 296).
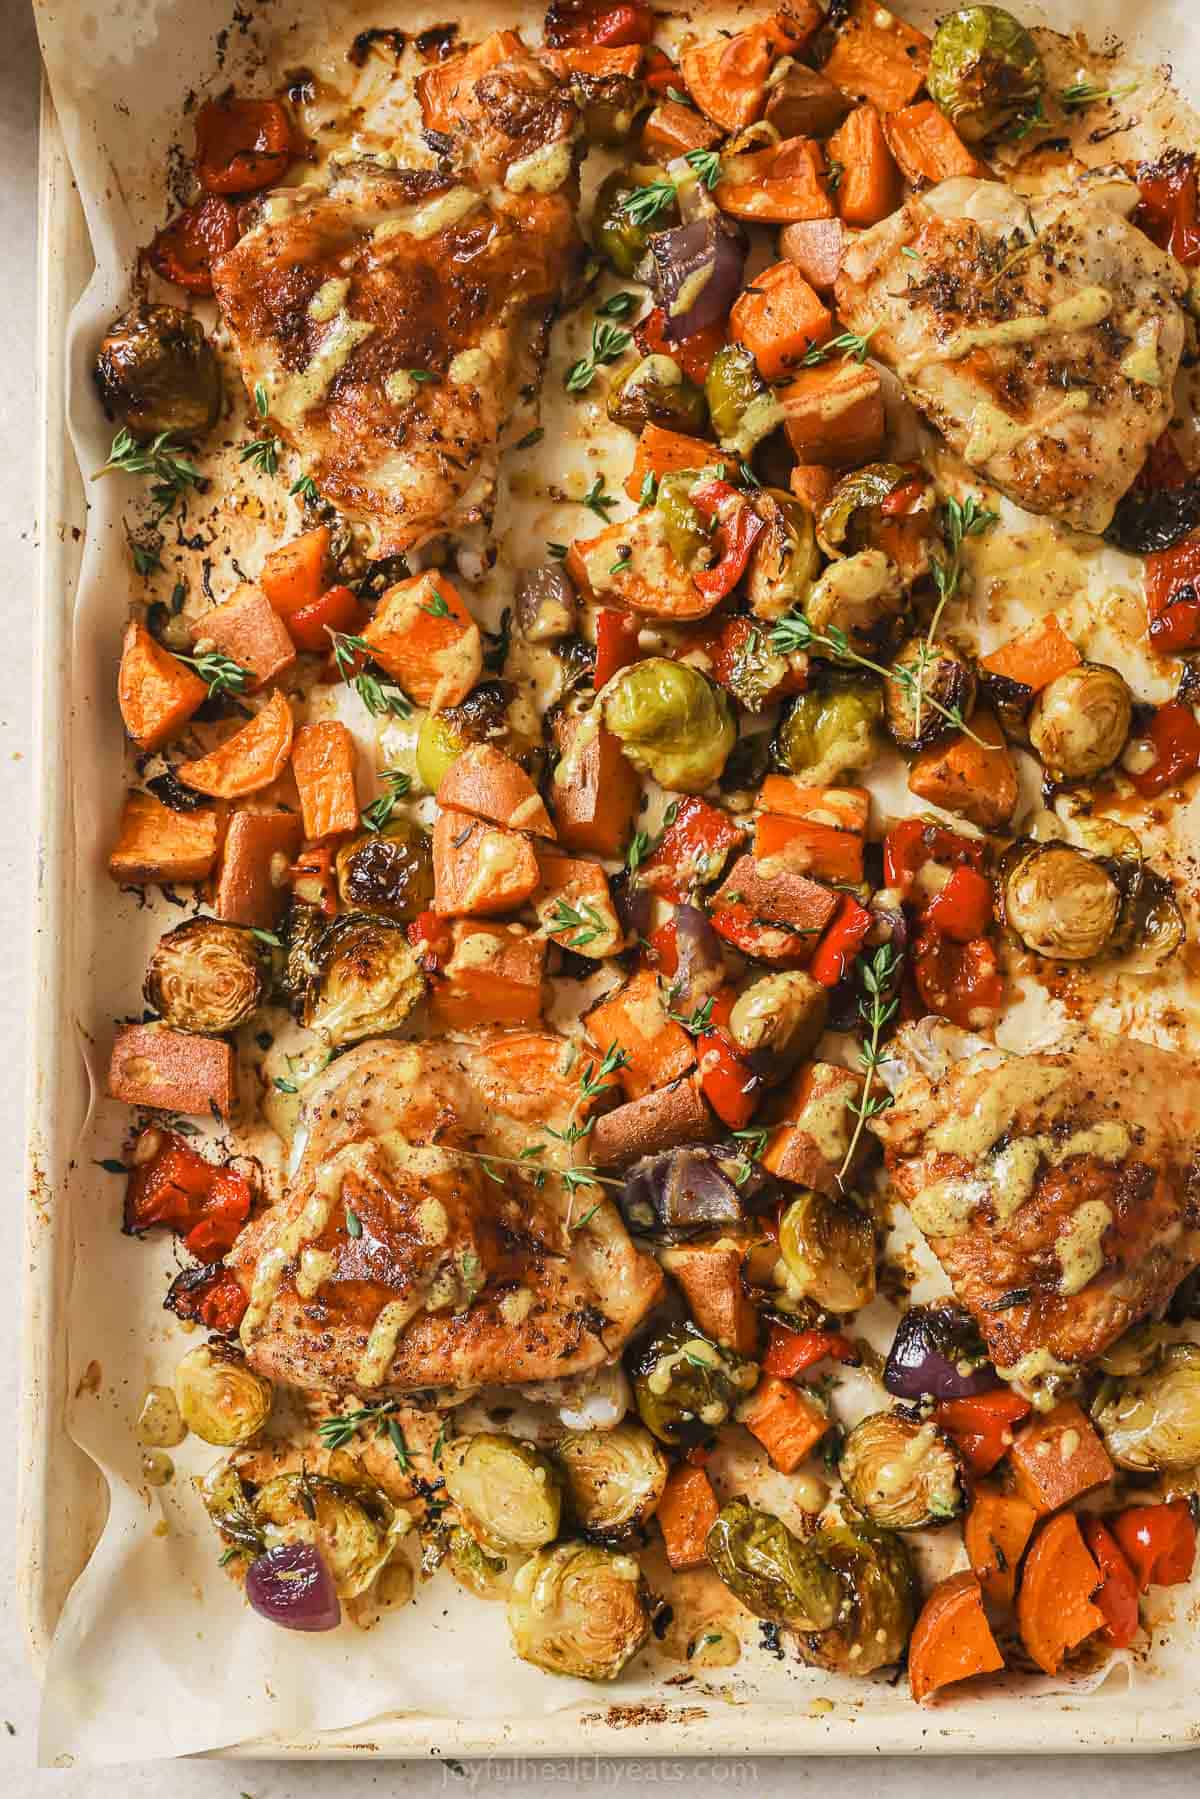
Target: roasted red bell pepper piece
(209, 1296)
(1117, 1596)
(336, 610)
(616, 643)
(738, 530)
(900, 502)
(693, 354)
(1172, 597)
(201, 1202)
(241, 145)
(589, 24)
(659, 72)
(835, 954)
(963, 908)
(1175, 736)
(432, 941)
(730, 643)
(313, 881)
(790, 1352)
(957, 980)
(739, 925)
(188, 245)
(1169, 212)
(1158, 1542)
(982, 1425)
(912, 843)
(691, 850)
(727, 1081)
(663, 953)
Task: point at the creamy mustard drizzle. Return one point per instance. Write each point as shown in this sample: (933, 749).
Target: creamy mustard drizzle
(1075, 313)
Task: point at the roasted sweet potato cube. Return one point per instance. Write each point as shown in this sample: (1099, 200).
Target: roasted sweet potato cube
(252, 878)
(479, 868)
(424, 637)
(173, 1071)
(595, 791)
(834, 414)
(665, 1119)
(788, 1422)
(686, 1513)
(324, 759)
(1058, 1456)
(494, 977)
(811, 1146)
(158, 845)
(634, 1018)
(485, 781)
(786, 898)
(157, 693)
(711, 1278)
(976, 779)
(247, 629)
(575, 907)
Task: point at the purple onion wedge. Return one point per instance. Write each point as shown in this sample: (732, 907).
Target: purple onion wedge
(700, 969)
(937, 1352)
(697, 274)
(683, 1192)
(290, 1585)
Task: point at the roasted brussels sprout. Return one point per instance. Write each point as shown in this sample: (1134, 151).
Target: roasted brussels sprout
(367, 979)
(1156, 927)
(859, 595)
(672, 721)
(754, 673)
(831, 729)
(686, 532)
(547, 608)
(205, 976)
(487, 1576)
(828, 1248)
(610, 105)
(877, 1607)
(941, 675)
(491, 713)
(579, 1609)
(509, 1493)
(615, 234)
(387, 873)
(780, 1013)
(1061, 902)
(772, 1572)
(219, 1398)
(785, 561)
(852, 518)
(900, 1473)
(305, 927)
(156, 371)
(741, 405)
(684, 1385)
(655, 391)
(1153, 1423)
(615, 1479)
(440, 743)
(354, 1527)
(1080, 722)
(985, 74)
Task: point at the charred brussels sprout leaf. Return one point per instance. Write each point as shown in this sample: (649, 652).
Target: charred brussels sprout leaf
(1062, 903)
(741, 405)
(828, 1247)
(579, 1609)
(985, 74)
(157, 372)
(1152, 1424)
(387, 873)
(509, 1493)
(900, 1473)
(672, 721)
(772, 1572)
(484, 1575)
(355, 1528)
(847, 515)
(655, 391)
(617, 236)
(305, 928)
(829, 730)
(219, 1398)
(1080, 721)
(685, 530)
(944, 680)
(615, 1479)
(205, 976)
(684, 1385)
(367, 979)
(877, 1607)
(785, 561)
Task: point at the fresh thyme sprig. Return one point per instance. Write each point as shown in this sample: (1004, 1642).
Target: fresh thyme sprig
(699, 1020)
(337, 1431)
(263, 454)
(876, 1009)
(174, 474)
(583, 919)
(706, 166)
(1087, 93)
(608, 342)
(396, 784)
(220, 673)
(617, 306)
(639, 847)
(852, 344)
(598, 501)
(437, 607)
(379, 695)
(645, 203)
(753, 1142)
(304, 488)
(958, 522)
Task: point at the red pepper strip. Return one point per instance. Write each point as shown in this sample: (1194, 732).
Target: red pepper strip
(900, 502)
(957, 980)
(692, 849)
(1169, 213)
(432, 940)
(186, 248)
(241, 145)
(576, 25)
(728, 1083)
(1175, 736)
(982, 1426)
(697, 1455)
(1172, 598)
(737, 532)
(659, 72)
(841, 943)
(790, 1352)
(616, 644)
(1159, 1542)
(210, 1296)
(204, 1204)
(963, 908)
(693, 354)
(663, 954)
(912, 843)
(1117, 1597)
(336, 610)
(312, 880)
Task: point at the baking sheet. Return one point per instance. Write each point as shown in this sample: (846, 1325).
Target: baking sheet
(155, 1653)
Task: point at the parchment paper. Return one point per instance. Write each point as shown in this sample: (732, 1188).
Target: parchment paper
(157, 1654)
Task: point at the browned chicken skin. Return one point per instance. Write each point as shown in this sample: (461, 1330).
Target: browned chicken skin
(1059, 1191)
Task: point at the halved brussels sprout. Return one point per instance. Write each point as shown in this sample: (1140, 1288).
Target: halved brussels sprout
(785, 561)
(830, 730)
(439, 745)
(684, 1385)
(772, 1572)
(367, 979)
(387, 873)
(672, 721)
(741, 406)
(615, 1479)
(858, 595)
(495, 713)
(509, 1493)
(901, 1473)
(755, 672)
(228, 1505)
(156, 371)
(828, 1247)
(614, 233)
(579, 1609)
(1156, 927)
(355, 1528)
(942, 676)
(1153, 1423)
(1137, 1352)
(205, 976)
(487, 1576)
(687, 533)
(783, 1013)
(878, 1603)
(850, 518)
(1061, 902)
(219, 1398)
(985, 74)
(1080, 722)
(655, 391)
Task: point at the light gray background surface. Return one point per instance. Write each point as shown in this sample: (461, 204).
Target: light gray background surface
(989, 1778)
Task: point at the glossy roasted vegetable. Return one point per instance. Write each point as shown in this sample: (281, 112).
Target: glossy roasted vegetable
(487, 1576)
(509, 1493)
(741, 405)
(780, 1017)
(205, 976)
(878, 1600)
(985, 74)
(1152, 1423)
(655, 391)
(547, 606)
(615, 1479)
(366, 979)
(851, 517)
(831, 729)
(610, 104)
(440, 743)
(940, 675)
(615, 234)
(1080, 722)
(900, 1473)
(683, 1192)
(696, 272)
(785, 561)
(1155, 518)
(355, 1527)
(157, 372)
(1061, 902)
(219, 1398)
(684, 1386)
(686, 532)
(491, 713)
(772, 1572)
(672, 721)
(579, 1609)
(937, 1353)
(828, 1247)
(387, 873)
(860, 595)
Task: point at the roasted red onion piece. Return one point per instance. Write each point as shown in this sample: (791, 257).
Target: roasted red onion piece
(700, 970)
(937, 1351)
(290, 1585)
(697, 267)
(681, 1193)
